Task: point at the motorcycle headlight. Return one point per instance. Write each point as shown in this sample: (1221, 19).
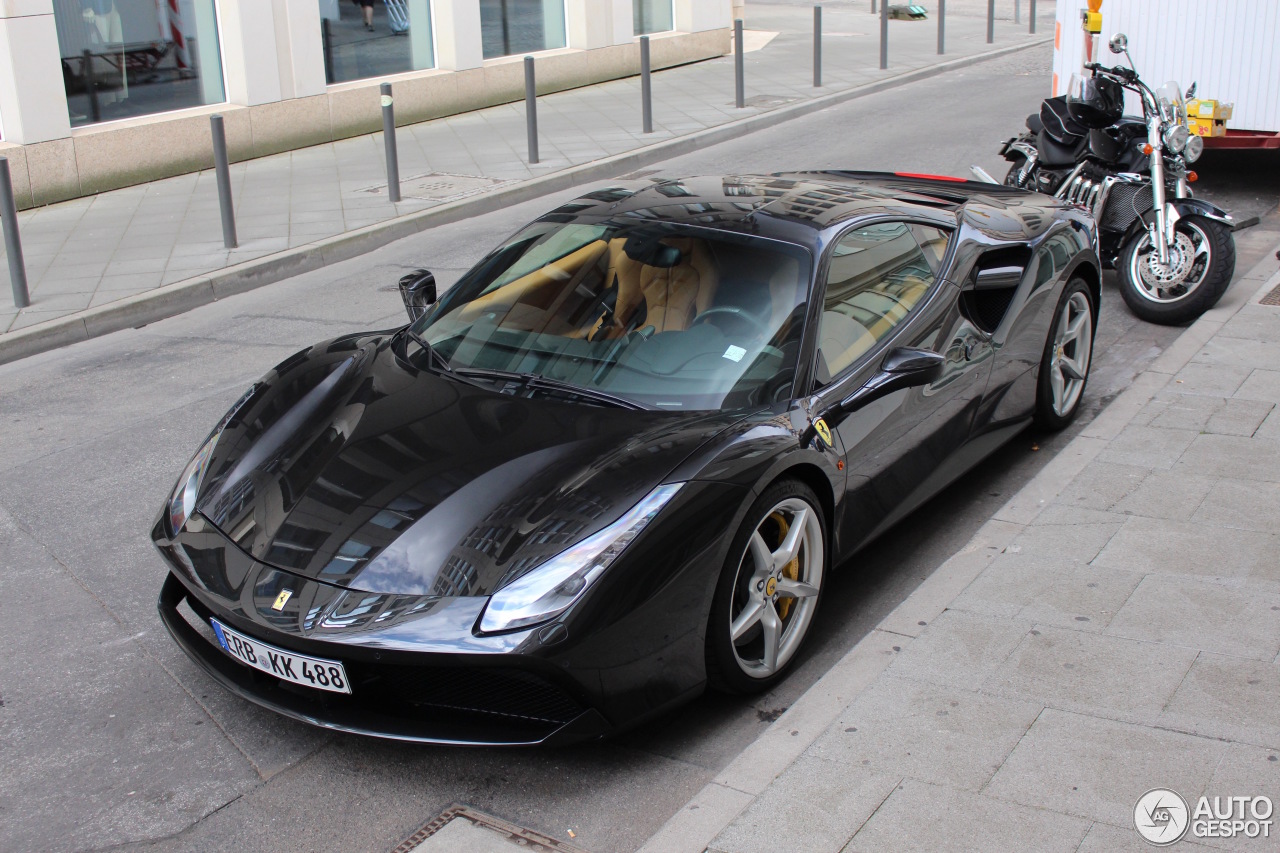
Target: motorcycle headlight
(1195, 147)
(182, 502)
(548, 590)
(1175, 138)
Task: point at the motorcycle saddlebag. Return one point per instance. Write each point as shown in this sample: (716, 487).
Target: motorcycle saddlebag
(1059, 124)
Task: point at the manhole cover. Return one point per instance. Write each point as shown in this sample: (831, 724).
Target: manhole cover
(768, 101)
(439, 186)
(463, 828)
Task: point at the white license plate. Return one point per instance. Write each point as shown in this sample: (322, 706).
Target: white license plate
(300, 669)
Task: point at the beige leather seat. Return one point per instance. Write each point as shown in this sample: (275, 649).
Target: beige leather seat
(670, 297)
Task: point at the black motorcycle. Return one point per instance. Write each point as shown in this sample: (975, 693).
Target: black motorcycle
(1174, 254)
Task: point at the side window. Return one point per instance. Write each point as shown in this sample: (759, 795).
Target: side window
(877, 276)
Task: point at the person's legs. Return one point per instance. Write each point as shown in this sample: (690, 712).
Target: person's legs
(368, 13)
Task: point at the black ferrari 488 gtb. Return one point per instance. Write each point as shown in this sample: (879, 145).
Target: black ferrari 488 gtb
(617, 460)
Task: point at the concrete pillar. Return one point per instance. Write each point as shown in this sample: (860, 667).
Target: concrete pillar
(33, 103)
(457, 28)
(251, 60)
(299, 51)
(598, 23)
(695, 16)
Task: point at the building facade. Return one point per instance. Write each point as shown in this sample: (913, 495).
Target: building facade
(100, 94)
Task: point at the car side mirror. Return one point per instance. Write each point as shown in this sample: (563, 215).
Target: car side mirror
(903, 367)
(418, 290)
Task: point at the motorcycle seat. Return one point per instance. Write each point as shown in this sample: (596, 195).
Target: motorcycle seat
(1054, 154)
(1034, 124)
(1059, 124)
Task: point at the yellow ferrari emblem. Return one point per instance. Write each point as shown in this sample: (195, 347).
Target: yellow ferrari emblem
(771, 587)
(824, 431)
(282, 599)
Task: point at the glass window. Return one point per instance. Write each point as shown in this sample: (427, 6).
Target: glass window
(669, 316)
(509, 27)
(652, 16)
(878, 274)
(374, 38)
(125, 58)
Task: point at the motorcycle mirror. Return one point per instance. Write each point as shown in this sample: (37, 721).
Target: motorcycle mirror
(1119, 43)
(1191, 93)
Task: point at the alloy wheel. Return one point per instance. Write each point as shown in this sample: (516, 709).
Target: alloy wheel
(1072, 349)
(775, 591)
(1190, 257)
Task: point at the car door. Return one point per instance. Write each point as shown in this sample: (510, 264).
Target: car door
(883, 289)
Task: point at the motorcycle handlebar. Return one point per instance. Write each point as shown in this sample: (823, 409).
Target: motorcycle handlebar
(1125, 74)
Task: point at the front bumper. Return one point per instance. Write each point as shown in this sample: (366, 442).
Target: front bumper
(467, 703)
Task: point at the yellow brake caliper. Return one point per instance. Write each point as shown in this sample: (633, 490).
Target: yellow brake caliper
(791, 570)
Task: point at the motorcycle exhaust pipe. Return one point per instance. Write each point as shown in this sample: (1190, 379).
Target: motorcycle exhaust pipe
(981, 174)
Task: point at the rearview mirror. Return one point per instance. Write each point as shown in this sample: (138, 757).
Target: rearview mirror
(418, 290)
(1119, 43)
(903, 367)
(1191, 93)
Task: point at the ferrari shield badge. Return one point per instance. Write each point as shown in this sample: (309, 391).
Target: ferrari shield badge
(824, 431)
(282, 599)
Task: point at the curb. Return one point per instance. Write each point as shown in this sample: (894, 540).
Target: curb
(182, 296)
(702, 818)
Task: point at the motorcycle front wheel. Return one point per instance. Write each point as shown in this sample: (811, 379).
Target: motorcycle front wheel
(1202, 260)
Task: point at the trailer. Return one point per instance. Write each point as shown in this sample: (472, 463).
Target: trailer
(1228, 48)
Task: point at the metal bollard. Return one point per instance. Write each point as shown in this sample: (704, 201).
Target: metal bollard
(90, 83)
(991, 21)
(739, 69)
(326, 44)
(1032, 15)
(1017, 11)
(389, 142)
(942, 27)
(873, 7)
(12, 239)
(817, 46)
(884, 36)
(531, 108)
(222, 171)
(646, 86)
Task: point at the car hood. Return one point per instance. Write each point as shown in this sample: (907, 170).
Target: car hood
(349, 466)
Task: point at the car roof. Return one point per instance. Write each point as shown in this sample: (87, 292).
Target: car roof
(798, 207)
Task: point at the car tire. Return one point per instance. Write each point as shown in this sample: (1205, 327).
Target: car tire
(1068, 356)
(782, 596)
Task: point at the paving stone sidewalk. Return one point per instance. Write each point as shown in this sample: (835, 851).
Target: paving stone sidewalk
(96, 251)
(1113, 629)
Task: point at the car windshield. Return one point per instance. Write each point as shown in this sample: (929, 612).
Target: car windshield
(664, 316)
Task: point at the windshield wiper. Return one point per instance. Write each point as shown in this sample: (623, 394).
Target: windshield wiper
(441, 363)
(543, 383)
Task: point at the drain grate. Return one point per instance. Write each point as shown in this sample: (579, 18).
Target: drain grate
(767, 101)
(1272, 298)
(441, 186)
(519, 836)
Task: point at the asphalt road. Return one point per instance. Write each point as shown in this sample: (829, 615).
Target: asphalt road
(110, 737)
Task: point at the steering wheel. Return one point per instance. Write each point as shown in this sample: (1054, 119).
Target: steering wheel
(755, 323)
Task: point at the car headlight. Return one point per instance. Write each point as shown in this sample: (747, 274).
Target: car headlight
(547, 591)
(1175, 138)
(182, 502)
(1195, 147)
